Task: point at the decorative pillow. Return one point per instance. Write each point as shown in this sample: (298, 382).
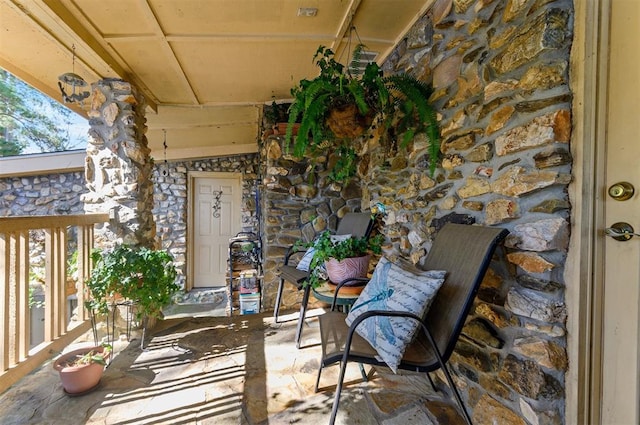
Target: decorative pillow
(339, 238)
(305, 262)
(394, 288)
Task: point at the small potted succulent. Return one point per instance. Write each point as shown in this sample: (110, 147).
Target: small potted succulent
(336, 258)
(80, 370)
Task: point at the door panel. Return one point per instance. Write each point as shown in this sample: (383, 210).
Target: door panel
(620, 360)
(217, 217)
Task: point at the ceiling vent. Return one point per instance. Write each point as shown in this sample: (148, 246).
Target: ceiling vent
(307, 12)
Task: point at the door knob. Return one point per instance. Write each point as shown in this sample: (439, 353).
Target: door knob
(621, 191)
(620, 231)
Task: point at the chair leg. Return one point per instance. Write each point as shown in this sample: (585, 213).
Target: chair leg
(365, 378)
(444, 368)
(433, 386)
(456, 394)
(276, 311)
(303, 312)
(336, 400)
(318, 379)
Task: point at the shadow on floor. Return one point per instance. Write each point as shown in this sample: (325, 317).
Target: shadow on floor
(240, 370)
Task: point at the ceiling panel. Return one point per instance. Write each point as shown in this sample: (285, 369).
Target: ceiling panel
(247, 71)
(222, 135)
(115, 17)
(206, 67)
(265, 18)
(155, 65)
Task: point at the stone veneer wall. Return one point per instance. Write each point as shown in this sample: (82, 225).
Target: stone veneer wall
(500, 73)
(170, 194)
(298, 202)
(51, 194)
(118, 166)
(59, 194)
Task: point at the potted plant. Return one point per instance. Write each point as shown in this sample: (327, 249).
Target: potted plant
(336, 107)
(80, 370)
(277, 117)
(143, 275)
(336, 258)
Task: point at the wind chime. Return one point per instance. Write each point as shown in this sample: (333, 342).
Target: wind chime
(71, 84)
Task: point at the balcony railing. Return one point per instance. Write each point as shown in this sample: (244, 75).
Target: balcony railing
(16, 357)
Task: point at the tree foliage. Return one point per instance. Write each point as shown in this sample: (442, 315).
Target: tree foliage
(29, 118)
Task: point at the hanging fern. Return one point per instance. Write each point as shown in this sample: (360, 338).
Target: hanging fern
(399, 99)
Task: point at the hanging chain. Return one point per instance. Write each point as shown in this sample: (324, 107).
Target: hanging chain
(165, 168)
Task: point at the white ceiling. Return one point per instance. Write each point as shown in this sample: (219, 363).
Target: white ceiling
(206, 67)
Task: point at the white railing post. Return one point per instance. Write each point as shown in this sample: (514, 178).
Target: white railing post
(5, 257)
(23, 316)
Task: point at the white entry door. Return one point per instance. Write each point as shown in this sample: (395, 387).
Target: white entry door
(621, 290)
(216, 217)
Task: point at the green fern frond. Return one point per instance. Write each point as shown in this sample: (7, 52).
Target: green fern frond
(312, 124)
(416, 102)
(433, 133)
(358, 94)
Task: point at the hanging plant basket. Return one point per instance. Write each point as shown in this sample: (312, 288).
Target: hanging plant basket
(337, 106)
(346, 121)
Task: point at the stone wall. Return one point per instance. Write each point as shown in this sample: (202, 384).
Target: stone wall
(299, 201)
(59, 194)
(118, 166)
(51, 194)
(500, 73)
(170, 197)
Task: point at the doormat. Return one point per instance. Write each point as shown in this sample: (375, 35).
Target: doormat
(207, 302)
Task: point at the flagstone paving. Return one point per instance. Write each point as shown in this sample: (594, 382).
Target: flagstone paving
(240, 370)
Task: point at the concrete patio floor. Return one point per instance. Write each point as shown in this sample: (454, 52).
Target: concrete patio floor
(240, 370)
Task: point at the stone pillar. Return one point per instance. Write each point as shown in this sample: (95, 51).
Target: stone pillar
(118, 167)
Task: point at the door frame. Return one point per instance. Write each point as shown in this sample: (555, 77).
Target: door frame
(191, 177)
(584, 271)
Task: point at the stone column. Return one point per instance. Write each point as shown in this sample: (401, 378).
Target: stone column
(118, 167)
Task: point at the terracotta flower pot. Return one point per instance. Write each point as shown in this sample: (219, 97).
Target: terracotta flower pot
(347, 268)
(78, 379)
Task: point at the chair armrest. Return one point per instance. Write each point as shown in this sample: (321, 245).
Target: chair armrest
(387, 313)
(363, 280)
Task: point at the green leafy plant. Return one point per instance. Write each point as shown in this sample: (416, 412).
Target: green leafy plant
(92, 356)
(276, 112)
(326, 248)
(400, 101)
(143, 275)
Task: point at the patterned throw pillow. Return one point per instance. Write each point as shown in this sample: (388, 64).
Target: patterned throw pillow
(306, 260)
(394, 288)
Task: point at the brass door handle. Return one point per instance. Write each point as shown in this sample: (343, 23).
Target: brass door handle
(620, 231)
